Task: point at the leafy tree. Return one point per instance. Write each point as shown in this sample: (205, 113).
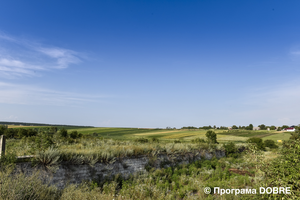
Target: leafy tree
(63, 132)
(272, 127)
(211, 137)
(262, 127)
(285, 126)
(234, 127)
(223, 128)
(250, 127)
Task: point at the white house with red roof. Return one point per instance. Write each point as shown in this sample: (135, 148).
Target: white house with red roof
(289, 129)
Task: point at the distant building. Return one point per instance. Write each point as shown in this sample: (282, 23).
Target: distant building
(229, 128)
(256, 128)
(289, 129)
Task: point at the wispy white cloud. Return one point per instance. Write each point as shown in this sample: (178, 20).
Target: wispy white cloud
(295, 52)
(19, 57)
(278, 104)
(33, 95)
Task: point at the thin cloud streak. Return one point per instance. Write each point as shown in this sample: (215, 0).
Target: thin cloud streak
(25, 58)
(279, 104)
(32, 95)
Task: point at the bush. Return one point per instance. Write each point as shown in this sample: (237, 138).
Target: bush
(141, 140)
(74, 134)
(63, 132)
(283, 171)
(271, 144)
(198, 140)
(258, 141)
(211, 137)
(231, 150)
(10, 133)
(19, 186)
(41, 142)
(155, 140)
(177, 141)
(7, 159)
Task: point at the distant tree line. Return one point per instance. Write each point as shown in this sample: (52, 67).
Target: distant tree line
(39, 124)
(262, 127)
(19, 133)
(235, 127)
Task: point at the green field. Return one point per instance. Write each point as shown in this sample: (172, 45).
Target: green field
(172, 134)
(278, 136)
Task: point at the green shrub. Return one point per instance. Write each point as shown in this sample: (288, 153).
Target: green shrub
(211, 137)
(10, 133)
(271, 144)
(198, 140)
(258, 141)
(283, 171)
(141, 140)
(74, 134)
(41, 142)
(231, 150)
(63, 132)
(19, 186)
(295, 136)
(7, 159)
(155, 140)
(177, 141)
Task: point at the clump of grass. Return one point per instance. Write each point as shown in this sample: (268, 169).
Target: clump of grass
(48, 159)
(18, 186)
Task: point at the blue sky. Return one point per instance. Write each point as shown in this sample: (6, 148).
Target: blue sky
(150, 63)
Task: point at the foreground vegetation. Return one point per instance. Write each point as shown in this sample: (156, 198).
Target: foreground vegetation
(263, 163)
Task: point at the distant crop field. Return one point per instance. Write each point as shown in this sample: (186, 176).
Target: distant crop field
(246, 133)
(278, 136)
(165, 134)
(118, 133)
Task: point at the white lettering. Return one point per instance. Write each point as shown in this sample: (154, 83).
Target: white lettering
(248, 191)
(288, 190)
(222, 191)
(275, 190)
(281, 189)
(262, 190)
(227, 191)
(242, 191)
(269, 188)
(237, 191)
(253, 191)
(216, 188)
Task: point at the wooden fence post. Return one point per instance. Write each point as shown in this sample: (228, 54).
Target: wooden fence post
(2, 145)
